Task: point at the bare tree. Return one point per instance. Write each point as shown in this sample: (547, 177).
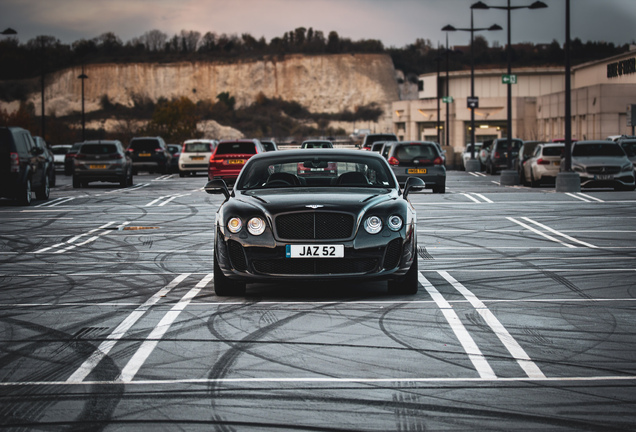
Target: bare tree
(190, 40)
(154, 40)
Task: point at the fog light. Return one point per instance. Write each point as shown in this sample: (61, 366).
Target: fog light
(395, 223)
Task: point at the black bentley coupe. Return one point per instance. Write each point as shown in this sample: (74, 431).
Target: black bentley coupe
(321, 214)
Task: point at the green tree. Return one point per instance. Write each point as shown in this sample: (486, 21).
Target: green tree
(174, 120)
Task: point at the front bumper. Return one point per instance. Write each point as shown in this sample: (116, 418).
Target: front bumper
(389, 257)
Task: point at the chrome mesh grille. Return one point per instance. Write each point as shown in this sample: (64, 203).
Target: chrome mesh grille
(314, 226)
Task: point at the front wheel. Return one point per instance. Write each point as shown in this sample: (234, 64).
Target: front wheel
(407, 284)
(76, 182)
(224, 286)
(25, 194)
(440, 189)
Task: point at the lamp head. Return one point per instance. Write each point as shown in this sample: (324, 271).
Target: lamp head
(538, 5)
(9, 31)
(449, 28)
(495, 27)
(479, 5)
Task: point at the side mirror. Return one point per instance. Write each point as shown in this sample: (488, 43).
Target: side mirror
(413, 184)
(37, 151)
(218, 186)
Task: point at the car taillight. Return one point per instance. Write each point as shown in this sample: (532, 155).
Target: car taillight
(118, 156)
(496, 155)
(15, 163)
(543, 162)
(80, 156)
(393, 161)
(438, 161)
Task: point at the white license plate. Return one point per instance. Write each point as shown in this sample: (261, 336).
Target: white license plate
(604, 177)
(314, 251)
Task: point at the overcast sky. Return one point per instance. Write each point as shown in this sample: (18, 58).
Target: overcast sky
(394, 22)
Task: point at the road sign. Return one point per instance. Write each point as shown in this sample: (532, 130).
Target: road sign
(447, 99)
(472, 102)
(509, 79)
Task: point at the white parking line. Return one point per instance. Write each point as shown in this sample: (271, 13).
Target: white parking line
(146, 348)
(536, 231)
(518, 353)
(69, 243)
(469, 345)
(577, 197)
(560, 233)
(56, 202)
(470, 197)
(169, 198)
(590, 197)
(104, 348)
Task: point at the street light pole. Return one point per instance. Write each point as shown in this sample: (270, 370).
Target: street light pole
(472, 165)
(83, 77)
(509, 9)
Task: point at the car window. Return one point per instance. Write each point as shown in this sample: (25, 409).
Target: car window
(99, 149)
(60, 150)
(194, 147)
(409, 152)
(144, 144)
(236, 148)
(597, 149)
(553, 151)
(630, 148)
(319, 171)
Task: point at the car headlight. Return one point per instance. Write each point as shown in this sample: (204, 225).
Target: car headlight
(234, 225)
(373, 225)
(627, 167)
(394, 223)
(578, 168)
(256, 226)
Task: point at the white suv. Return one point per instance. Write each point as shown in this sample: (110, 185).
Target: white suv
(195, 156)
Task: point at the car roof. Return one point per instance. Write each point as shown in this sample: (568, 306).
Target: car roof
(315, 152)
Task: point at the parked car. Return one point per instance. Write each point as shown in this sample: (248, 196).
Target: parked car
(50, 159)
(525, 152)
(230, 156)
(273, 227)
(22, 167)
(310, 144)
(420, 159)
(269, 145)
(377, 146)
(195, 156)
(369, 139)
(69, 157)
(175, 152)
(59, 152)
(497, 156)
(149, 154)
(629, 147)
(543, 166)
(467, 153)
(104, 161)
(602, 164)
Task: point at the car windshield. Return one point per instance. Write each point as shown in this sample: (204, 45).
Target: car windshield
(317, 144)
(236, 148)
(194, 147)
(598, 149)
(99, 149)
(318, 171)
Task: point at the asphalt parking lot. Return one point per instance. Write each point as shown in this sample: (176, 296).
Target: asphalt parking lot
(524, 319)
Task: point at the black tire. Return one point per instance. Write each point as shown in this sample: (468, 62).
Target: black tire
(131, 180)
(224, 286)
(123, 182)
(407, 284)
(440, 189)
(44, 191)
(52, 177)
(76, 182)
(25, 196)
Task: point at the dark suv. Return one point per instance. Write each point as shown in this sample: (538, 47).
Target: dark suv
(22, 166)
(149, 154)
(497, 159)
(369, 139)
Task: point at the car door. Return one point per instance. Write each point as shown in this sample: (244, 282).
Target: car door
(37, 160)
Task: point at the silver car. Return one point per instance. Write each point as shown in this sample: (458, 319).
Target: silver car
(629, 147)
(544, 164)
(603, 164)
(104, 161)
(466, 153)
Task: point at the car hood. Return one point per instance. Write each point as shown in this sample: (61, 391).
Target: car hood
(599, 160)
(352, 200)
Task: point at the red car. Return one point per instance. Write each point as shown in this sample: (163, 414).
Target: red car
(229, 157)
